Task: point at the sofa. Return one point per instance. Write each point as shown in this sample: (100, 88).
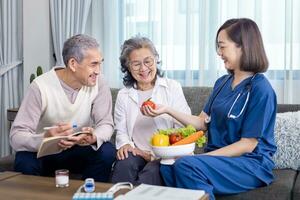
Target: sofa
(286, 185)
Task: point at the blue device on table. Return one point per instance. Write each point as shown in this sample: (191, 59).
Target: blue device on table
(89, 185)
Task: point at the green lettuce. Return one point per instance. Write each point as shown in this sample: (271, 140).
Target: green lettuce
(185, 132)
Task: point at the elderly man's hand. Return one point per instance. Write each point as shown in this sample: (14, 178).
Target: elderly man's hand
(87, 138)
(61, 129)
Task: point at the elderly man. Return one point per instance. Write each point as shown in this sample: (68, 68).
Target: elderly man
(76, 94)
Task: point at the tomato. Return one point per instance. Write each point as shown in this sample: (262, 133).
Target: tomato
(175, 137)
(149, 103)
(160, 140)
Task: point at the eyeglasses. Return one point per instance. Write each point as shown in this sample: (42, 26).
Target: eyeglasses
(136, 65)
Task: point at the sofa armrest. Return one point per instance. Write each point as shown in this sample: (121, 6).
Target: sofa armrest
(7, 163)
(287, 107)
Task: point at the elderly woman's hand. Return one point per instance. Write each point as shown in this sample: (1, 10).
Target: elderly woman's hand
(123, 151)
(150, 112)
(144, 154)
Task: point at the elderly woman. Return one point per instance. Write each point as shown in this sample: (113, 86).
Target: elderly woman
(143, 80)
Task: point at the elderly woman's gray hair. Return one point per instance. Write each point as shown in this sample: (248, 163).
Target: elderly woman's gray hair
(75, 46)
(135, 43)
(127, 48)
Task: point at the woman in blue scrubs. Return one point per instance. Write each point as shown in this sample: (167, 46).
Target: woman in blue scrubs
(239, 118)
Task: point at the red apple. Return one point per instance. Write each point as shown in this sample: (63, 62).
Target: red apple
(174, 137)
(149, 103)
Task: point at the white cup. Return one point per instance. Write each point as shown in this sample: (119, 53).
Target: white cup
(62, 178)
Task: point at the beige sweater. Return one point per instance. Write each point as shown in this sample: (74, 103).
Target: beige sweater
(26, 132)
(56, 107)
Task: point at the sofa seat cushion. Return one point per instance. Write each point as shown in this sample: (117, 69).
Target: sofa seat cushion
(296, 191)
(280, 189)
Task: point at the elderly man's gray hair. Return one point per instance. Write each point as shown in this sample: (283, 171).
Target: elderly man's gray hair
(75, 46)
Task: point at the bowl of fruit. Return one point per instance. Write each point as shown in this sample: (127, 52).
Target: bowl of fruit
(172, 143)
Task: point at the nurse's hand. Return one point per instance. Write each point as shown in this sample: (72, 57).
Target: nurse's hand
(150, 112)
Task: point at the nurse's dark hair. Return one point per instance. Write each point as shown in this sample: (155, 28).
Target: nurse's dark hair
(135, 43)
(245, 34)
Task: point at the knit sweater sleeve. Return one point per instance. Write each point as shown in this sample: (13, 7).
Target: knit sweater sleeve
(23, 135)
(102, 114)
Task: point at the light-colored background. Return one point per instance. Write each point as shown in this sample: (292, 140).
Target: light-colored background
(183, 31)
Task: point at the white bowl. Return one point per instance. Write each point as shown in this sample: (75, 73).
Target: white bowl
(169, 153)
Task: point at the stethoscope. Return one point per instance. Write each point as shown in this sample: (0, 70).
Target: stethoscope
(229, 114)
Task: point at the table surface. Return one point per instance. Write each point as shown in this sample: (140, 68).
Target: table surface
(18, 186)
(6, 175)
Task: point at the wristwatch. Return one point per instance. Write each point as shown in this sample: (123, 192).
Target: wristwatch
(207, 119)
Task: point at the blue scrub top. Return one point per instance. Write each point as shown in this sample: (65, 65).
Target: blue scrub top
(256, 121)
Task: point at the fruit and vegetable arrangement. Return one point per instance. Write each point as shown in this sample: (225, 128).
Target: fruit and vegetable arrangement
(180, 136)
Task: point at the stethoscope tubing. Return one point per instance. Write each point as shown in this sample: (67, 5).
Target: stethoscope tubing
(229, 115)
(244, 106)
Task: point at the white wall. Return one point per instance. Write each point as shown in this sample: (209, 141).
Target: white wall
(37, 39)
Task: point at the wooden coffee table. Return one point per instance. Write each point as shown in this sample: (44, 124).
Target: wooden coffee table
(18, 186)
(6, 175)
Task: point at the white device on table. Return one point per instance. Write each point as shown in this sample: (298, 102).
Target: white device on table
(89, 188)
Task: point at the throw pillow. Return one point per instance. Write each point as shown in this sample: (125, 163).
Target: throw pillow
(287, 137)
